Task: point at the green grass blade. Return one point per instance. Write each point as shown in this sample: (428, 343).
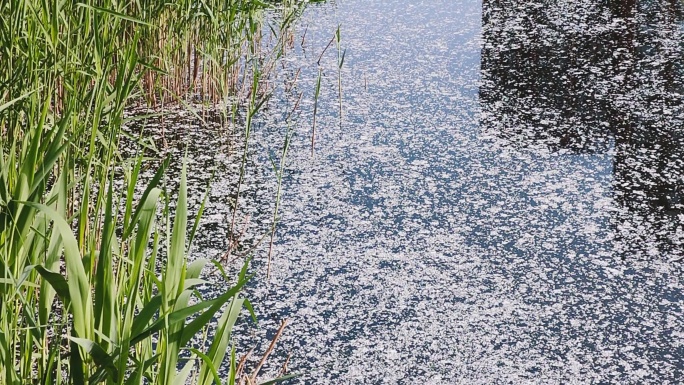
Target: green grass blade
(78, 282)
(114, 13)
(206, 362)
(57, 282)
(106, 313)
(221, 339)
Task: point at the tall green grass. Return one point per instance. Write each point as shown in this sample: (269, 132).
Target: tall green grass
(95, 284)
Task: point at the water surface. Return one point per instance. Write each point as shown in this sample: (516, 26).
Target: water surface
(501, 201)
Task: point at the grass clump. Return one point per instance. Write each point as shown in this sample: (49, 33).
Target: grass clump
(85, 296)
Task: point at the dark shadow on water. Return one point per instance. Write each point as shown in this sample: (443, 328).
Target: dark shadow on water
(608, 83)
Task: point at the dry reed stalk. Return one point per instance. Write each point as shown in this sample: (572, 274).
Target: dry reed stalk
(283, 370)
(239, 371)
(304, 36)
(268, 352)
(234, 241)
(195, 69)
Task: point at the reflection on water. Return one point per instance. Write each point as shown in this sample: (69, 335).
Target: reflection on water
(609, 81)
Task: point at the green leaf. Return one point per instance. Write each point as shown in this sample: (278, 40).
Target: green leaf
(221, 338)
(106, 317)
(99, 355)
(173, 281)
(250, 308)
(192, 282)
(114, 13)
(203, 319)
(154, 182)
(174, 274)
(206, 361)
(182, 314)
(143, 318)
(11, 102)
(195, 268)
(78, 282)
(182, 376)
(57, 281)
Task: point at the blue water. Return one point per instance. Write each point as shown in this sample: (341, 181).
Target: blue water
(501, 201)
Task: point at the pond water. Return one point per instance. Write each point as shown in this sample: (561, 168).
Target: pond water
(501, 201)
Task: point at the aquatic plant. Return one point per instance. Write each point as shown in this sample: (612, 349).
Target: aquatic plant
(95, 284)
(340, 63)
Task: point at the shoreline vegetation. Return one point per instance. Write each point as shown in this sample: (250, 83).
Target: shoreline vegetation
(95, 284)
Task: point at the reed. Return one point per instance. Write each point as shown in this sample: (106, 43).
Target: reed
(340, 62)
(95, 283)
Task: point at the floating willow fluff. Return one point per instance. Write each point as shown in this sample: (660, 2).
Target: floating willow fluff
(80, 299)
